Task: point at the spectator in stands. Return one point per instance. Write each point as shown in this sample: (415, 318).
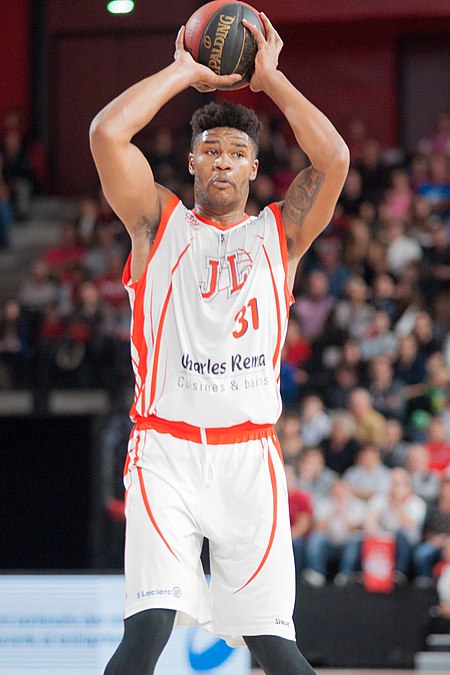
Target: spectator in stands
(345, 380)
(313, 476)
(17, 168)
(410, 367)
(436, 536)
(369, 476)
(314, 307)
(351, 196)
(263, 190)
(352, 315)
(314, 421)
(14, 346)
(357, 240)
(425, 483)
(328, 252)
(383, 294)
(436, 189)
(385, 390)
(336, 536)
(6, 212)
(289, 434)
(341, 447)
(300, 516)
(437, 443)
(103, 247)
(399, 197)
(379, 339)
(436, 262)
(423, 331)
(400, 512)
(68, 251)
(439, 139)
(370, 425)
(39, 290)
(401, 249)
(394, 447)
(87, 219)
(374, 174)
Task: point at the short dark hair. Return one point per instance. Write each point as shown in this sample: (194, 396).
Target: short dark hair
(226, 114)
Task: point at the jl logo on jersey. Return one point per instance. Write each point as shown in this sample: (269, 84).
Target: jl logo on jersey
(226, 273)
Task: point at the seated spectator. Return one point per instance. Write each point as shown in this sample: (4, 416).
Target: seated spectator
(6, 211)
(436, 536)
(356, 242)
(383, 294)
(345, 380)
(17, 167)
(341, 447)
(352, 315)
(314, 308)
(394, 447)
(436, 262)
(439, 138)
(425, 483)
(400, 512)
(336, 536)
(300, 516)
(379, 339)
(399, 196)
(369, 476)
(351, 196)
(437, 444)
(385, 390)
(401, 249)
(314, 421)
(313, 476)
(374, 173)
(87, 219)
(14, 346)
(68, 251)
(436, 189)
(423, 331)
(39, 290)
(329, 260)
(289, 434)
(370, 425)
(409, 367)
(103, 247)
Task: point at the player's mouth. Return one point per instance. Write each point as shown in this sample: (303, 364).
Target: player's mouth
(221, 182)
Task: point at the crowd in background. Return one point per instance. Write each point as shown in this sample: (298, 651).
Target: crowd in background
(365, 376)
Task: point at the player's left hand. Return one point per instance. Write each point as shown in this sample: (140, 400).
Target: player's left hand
(269, 48)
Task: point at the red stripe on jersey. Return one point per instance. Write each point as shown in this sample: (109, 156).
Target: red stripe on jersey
(281, 234)
(277, 305)
(239, 433)
(273, 481)
(159, 333)
(150, 513)
(140, 343)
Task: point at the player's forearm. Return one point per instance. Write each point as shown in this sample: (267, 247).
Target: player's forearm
(132, 110)
(313, 131)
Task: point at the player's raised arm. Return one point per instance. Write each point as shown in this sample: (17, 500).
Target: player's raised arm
(126, 177)
(312, 196)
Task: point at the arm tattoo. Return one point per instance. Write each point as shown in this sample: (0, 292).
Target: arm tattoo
(302, 194)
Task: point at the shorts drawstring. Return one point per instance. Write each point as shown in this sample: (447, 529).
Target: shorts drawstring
(210, 470)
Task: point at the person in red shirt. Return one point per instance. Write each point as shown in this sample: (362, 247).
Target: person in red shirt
(300, 516)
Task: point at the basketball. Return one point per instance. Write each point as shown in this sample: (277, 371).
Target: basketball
(216, 37)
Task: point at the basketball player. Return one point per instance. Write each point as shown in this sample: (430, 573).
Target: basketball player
(210, 290)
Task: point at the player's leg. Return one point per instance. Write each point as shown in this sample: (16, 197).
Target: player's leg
(145, 636)
(278, 656)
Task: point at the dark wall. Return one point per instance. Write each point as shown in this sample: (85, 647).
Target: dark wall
(15, 52)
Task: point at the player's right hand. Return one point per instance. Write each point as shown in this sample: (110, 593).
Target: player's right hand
(203, 78)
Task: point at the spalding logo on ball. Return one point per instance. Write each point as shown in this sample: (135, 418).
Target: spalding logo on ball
(216, 37)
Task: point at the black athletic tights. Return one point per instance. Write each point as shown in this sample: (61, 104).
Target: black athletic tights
(147, 633)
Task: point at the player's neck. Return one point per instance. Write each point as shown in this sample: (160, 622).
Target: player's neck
(224, 219)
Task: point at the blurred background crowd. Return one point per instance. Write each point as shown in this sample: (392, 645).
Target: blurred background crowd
(365, 379)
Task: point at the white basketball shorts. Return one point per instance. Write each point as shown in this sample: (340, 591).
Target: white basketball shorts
(229, 486)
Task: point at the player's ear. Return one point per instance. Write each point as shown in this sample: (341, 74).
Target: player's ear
(254, 169)
(191, 163)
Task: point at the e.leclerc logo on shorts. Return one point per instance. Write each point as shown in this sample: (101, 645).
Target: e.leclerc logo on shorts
(175, 592)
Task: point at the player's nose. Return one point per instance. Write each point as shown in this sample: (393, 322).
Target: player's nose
(223, 161)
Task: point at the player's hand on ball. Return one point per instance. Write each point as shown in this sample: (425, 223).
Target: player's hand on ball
(203, 78)
(269, 48)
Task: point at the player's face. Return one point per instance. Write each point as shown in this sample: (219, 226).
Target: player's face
(222, 162)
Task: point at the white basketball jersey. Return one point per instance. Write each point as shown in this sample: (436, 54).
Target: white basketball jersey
(209, 317)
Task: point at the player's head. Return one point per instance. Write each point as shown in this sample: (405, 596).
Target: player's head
(226, 114)
(223, 156)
